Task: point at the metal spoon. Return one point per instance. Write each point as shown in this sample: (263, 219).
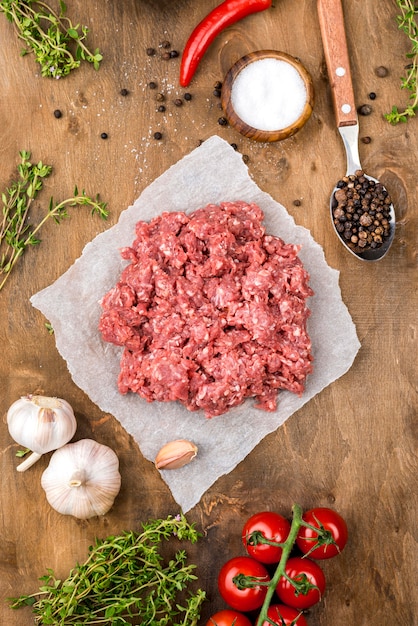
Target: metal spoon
(331, 21)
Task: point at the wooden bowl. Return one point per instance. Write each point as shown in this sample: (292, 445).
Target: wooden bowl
(302, 109)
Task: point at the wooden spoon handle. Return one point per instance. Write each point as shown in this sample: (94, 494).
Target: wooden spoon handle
(331, 22)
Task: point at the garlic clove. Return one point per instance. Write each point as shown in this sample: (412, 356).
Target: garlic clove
(41, 424)
(82, 479)
(175, 454)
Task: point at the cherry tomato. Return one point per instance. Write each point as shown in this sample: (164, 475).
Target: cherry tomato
(265, 525)
(335, 534)
(231, 586)
(283, 615)
(311, 578)
(228, 617)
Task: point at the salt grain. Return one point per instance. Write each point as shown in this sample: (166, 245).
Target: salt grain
(269, 94)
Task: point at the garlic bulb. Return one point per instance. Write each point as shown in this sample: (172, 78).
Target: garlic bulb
(82, 479)
(41, 424)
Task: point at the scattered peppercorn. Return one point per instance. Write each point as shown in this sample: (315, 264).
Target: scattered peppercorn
(217, 85)
(158, 136)
(150, 52)
(217, 93)
(366, 139)
(372, 95)
(178, 102)
(57, 114)
(188, 96)
(361, 212)
(165, 44)
(161, 108)
(364, 109)
(124, 92)
(173, 54)
(245, 158)
(222, 121)
(234, 145)
(297, 202)
(152, 85)
(104, 135)
(160, 97)
(381, 71)
(166, 56)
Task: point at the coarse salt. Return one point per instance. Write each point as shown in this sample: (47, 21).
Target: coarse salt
(269, 94)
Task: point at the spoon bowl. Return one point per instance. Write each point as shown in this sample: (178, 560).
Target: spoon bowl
(372, 252)
(331, 21)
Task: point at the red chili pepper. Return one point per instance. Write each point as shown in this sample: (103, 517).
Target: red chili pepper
(224, 15)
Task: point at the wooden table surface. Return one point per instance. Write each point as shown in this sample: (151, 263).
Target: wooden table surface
(352, 447)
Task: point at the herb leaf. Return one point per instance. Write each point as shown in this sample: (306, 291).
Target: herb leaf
(17, 232)
(124, 577)
(57, 44)
(407, 22)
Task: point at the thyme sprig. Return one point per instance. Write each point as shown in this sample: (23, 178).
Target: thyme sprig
(57, 44)
(124, 578)
(407, 22)
(17, 232)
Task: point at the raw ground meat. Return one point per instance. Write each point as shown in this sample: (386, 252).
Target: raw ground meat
(210, 311)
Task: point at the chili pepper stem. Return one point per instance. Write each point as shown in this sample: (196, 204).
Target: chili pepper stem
(287, 548)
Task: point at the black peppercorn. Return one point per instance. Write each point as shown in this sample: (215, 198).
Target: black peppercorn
(104, 135)
(222, 121)
(245, 158)
(364, 109)
(372, 95)
(234, 145)
(173, 54)
(178, 102)
(150, 52)
(124, 92)
(166, 56)
(361, 212)
(381, 71)
(161, 108)
(158, 136)
(165, 44)
(218, 85)
(297, 202)
(217, 93)
(57, 113)
(152, 85)
(366, 139)
(188, 96)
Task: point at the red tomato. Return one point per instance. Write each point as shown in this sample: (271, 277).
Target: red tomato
(312, 580)
(266, 525)
(284, 616)
(227, 617)
(230, 587)
(333, 540)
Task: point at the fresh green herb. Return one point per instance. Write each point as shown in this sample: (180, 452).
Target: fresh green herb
(21, 453)
(407, 22)
(49, 328)
(58, 45)
(16, 231)
(124, 578)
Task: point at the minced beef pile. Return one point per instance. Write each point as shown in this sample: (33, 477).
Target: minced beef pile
(210, 311)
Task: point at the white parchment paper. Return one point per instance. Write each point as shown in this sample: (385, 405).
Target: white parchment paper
(212, 173)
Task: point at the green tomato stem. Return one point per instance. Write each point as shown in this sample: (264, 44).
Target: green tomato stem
(287, 548)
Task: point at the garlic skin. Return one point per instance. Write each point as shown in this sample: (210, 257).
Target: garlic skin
(82, 479)
(41, 424)
(175, 454)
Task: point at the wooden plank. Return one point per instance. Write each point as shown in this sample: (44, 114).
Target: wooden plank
(353, 446)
